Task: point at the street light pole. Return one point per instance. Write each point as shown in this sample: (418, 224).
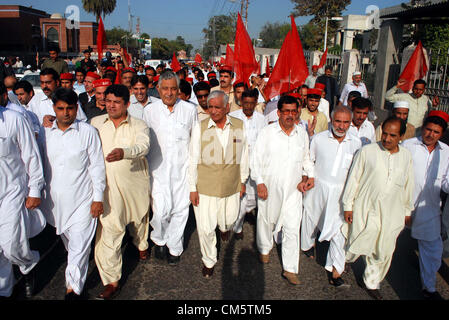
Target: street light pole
(325, 35)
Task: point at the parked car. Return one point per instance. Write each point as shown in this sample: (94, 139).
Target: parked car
(35, 81)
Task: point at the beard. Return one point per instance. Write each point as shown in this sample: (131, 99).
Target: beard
(338, 134)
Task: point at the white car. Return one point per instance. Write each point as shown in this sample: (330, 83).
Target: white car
(35, 81)
(153, 62)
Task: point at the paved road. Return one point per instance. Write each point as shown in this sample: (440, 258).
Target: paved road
(238, 274)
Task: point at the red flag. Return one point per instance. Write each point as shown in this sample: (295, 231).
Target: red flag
(245, 62)
(267, 69)
(222, 61)
(323, 60)
(415, 69)
(198, 58)
(101, 39)
(175, 66)
(290, 70)
(127, 57)
(229, 57)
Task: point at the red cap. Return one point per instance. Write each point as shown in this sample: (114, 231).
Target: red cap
(66, 76)
(314, 91)
(226, 68)
(315, 66)
(124, 70)
(438, 113)
(111, 69)
(102, 83)
(295, 95)
(320, 86)
(94, 75)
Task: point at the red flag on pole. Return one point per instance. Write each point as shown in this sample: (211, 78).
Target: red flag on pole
(267, 69)
(229, 57)
(198, 58)
(245, 62)
(290, 70)
(101, 39)
(175, 66)
(415, 69)
(127, 57)
(323, 60)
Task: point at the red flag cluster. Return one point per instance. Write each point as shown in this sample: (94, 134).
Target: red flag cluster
(101, 39)
(290, 70)
(415, 69)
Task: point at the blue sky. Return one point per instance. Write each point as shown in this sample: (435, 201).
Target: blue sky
(170, 18)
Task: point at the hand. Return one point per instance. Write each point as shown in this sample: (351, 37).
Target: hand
(195, 198)
(47, 122)
(96, 209)
(435, 101)
(348, 216)
(408, 221)
(242, 190)
(32, 203)
(311, 126)
(400, 83)
(115, 155)
(310, 183)
(262, 191)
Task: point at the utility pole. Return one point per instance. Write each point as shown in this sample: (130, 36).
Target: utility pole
(244, 11)
(213, 34)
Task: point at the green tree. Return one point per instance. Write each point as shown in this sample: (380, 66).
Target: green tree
(273, 34)
(434, 37)
(320, 9)
(145, 35)
(162, 48)
(309, 33)
(118, 35)
(224, 27)
(99, 7)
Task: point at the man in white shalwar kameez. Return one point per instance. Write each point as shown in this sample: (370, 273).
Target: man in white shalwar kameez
(218, 171)
(253, 123)
(170, 121)
(75, 182)
(378, 200)
(125, 142)
(20, 189)
(282, 169)
(431, 165)
(332, 152)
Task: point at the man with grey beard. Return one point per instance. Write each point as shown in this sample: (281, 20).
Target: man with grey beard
(332, 151)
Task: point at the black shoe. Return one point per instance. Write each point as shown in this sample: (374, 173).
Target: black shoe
(160, 252)
(310, 253)
(173, 260)
(72, 296)
(374, 293)
(431, 295)
(29, 282)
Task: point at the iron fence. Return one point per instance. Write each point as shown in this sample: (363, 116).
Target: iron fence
(437, 77)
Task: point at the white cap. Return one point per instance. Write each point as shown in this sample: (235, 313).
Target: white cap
(28, 66)
(401, 104)
(357, 73)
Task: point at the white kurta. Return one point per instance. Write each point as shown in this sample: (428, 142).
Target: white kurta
(168, 161)
(41, 105)
(352, 87)
(279, 161)
(21, 176)
(32, 119)
(430, 170)
(136, 109)
(324, 108)
(366, 133)
(322, 205)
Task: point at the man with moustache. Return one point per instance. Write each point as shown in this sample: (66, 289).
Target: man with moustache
(97, 106)
(41, 104)
(312, 114)
(226, 77)
(150, 72)
(66, 80)
(431, 168)
(355, 85)
(218, 172)
(139, 100)
(89, 92)
(360, 126)
(126, 76)
(282, 169)
(400, 110)
(377, 203)
(236, 103)
(332, 152)
(253, 122)
(331, 86)
(202, 91)
(170, 121)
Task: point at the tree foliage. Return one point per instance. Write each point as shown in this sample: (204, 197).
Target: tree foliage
(273, 34)
(224, 27)
(435, 37)
(162, 48)
(99, 7)
(320, 9)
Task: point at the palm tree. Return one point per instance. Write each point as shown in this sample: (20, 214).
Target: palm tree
(99, 7)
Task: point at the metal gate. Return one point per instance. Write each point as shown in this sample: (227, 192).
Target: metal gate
(438, 77)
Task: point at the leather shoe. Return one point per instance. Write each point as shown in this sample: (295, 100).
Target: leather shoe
(431, 295)
(160, 252)
(310, 253)
(109, 292)
(239, 235)
(72, 296)
(29, 284)
(225, 235)
(207, 272)
(264, 258)
(144, 255)
(173, 260)
(292, 278)
(374, 293)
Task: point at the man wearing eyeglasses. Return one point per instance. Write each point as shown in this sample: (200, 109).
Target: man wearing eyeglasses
(281, 166)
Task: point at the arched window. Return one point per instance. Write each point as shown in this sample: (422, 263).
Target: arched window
(52, 36)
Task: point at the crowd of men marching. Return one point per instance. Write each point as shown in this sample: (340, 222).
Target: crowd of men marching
(111, 148)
